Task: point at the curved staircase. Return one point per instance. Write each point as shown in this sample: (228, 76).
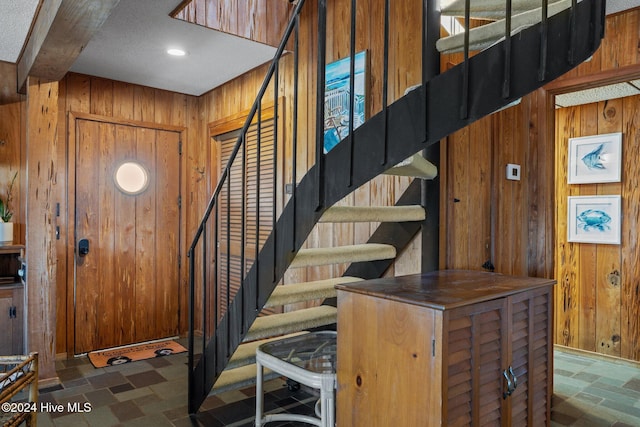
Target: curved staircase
(521, 58)
(241, 370)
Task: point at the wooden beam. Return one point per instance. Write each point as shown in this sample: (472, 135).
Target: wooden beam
(41, 146)
(603, 78)
(62, 29)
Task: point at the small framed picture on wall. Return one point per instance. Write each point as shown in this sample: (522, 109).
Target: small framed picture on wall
(594, 219)
(595, 159)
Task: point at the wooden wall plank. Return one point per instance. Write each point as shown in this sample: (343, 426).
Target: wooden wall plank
(125, 227)
(588, 252)
(106, 327)
(263, 21)
(167, 233)
(608, 294)
(457, 202)
(567, 272)
(146, 211)
(630, 257)
(617, 50)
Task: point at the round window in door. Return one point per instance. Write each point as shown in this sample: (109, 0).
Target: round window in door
(131, 177)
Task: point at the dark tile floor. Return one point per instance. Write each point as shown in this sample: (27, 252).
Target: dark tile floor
(153, 393)
(587, 392)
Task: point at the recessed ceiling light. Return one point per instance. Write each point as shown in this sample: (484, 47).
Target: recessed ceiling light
(176, 52)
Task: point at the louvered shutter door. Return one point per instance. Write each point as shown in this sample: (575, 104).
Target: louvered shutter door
(475, 355)
(520, 358)
(232, 202)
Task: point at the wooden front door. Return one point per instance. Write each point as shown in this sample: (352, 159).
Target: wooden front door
(126, 284)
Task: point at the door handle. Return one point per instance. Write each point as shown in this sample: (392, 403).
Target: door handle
(83, 247)
(509, 385)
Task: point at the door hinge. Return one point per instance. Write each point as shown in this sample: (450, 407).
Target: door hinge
(179, 202)
(433, 348)
(180, 147)
(179, 261)
(12, 312)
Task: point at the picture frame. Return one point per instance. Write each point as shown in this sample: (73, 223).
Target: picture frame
(336, 98)
(595, 159)
(594, 219)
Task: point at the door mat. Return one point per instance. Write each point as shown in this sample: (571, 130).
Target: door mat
(120, 355)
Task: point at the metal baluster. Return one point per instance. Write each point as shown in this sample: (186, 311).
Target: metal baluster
(385, 81)
(216, 253)
(572, 32)
(243, 235)
(322, 60)
(228, 302)
(276, 87)
(352, 95)
(294, 168)
(506, 84)
(544, 36)
(257, 249)
(191, 334)
(464, 109)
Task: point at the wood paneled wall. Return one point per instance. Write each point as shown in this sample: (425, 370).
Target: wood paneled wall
(594, 312)
(12, 158)
(590, 309)
(486, 217)
(263, 21)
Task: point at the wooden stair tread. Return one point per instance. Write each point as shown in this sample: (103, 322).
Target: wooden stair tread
(488, 9)
(373, 214)
(486, 35)
(246, 352)
(293, 321)
(306, 291)
(236, 378)
(343, 254)
(415, 166)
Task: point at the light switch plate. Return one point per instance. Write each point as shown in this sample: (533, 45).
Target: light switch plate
(513, 172)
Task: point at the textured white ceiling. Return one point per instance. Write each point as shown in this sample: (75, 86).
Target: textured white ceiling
(15, 21)
(597, 94)
(131, 47)
(614, 6)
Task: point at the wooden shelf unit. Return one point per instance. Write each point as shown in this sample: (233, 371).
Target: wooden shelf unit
(443, 348)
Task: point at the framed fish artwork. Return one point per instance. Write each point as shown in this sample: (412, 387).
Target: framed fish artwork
(594, 219)
(595, 159)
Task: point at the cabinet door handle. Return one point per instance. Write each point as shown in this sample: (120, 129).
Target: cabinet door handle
(515, 379)
(509, 385)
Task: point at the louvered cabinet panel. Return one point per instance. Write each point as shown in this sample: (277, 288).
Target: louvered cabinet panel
(488, 335)
(474, 357)
(481, 327)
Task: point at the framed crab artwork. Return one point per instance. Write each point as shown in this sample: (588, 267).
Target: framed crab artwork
(594, 159)
(594, 219)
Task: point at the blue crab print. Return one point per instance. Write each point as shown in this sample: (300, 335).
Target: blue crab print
(592, 160)
(593, 219)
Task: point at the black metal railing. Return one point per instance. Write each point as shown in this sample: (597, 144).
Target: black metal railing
(230, 290)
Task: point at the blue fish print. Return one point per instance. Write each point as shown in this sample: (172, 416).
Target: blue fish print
(593, 219)
(592, 160)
